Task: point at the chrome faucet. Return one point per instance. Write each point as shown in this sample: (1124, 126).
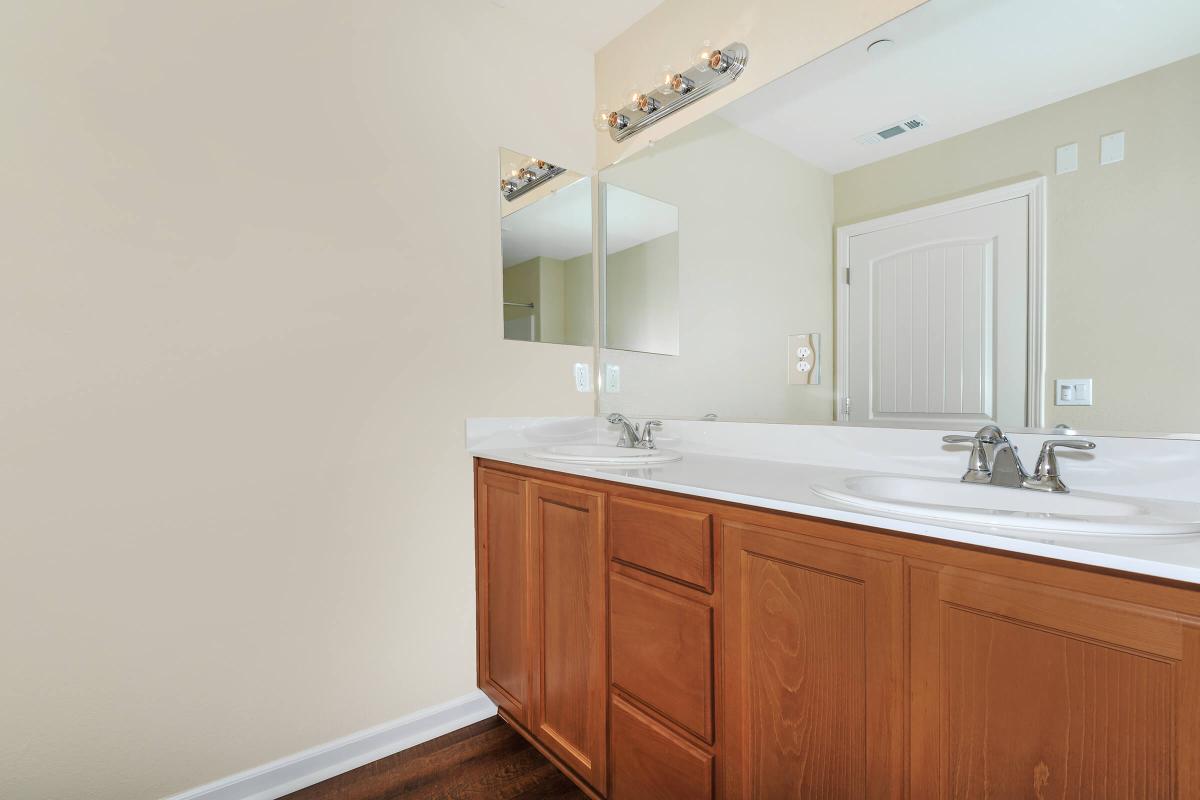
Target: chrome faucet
(632, 436)
(994, 461)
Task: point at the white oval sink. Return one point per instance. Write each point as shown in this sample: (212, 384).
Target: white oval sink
(951, 500)
(605, 455)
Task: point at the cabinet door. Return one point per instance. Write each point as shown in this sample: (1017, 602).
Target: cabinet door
(503, 592)
(813, 656)
(570, 679)
(1025, 690)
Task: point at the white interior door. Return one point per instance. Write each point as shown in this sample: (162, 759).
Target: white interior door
(938, 318)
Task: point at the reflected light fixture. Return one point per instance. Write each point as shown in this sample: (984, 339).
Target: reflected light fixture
(713, 70)
(522, 180)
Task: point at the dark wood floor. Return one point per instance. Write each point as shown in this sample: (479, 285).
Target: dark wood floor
(485, 760)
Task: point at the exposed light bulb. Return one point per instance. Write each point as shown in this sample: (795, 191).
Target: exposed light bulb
(618, 121)
(681, 84)
(601, 121)
(718, 61)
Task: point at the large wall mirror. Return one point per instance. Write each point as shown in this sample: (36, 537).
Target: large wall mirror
(641, 272)
(546, 250)
(986, 210)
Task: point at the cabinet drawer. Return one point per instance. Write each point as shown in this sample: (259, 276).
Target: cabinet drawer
(650, 761)
(662, 652)
(670, 541)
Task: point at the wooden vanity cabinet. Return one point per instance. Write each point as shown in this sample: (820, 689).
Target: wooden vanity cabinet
(503, 592)
(813, 646)
(660, 646)
(1026, 689)
(570, 676)
(542, 615)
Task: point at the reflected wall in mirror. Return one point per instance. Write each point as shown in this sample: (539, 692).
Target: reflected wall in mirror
(546, 249)
(641, 273)
(1014, 195)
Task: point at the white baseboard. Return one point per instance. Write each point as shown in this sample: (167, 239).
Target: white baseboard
(314, 765)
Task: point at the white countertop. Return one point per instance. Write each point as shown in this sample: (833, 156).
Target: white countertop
(785, 485)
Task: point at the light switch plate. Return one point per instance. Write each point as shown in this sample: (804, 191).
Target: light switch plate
(1073, 392)
(803, 359)
(1066, 158)
(1112, 148)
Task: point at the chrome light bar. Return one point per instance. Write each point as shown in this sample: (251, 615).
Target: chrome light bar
(715, 70)
(525, 179)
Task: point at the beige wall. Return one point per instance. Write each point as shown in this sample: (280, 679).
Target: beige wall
(561, 293)
(751, 272)
(236, 514)
(577, 300)
(781, 34)
(642, 296)
(1122, 238)
(522, 284)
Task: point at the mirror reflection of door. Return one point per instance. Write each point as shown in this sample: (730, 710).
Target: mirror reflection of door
(938, 314)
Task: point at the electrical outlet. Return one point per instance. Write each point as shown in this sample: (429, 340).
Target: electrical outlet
(583, 378)
(612, 378)
(803, 359)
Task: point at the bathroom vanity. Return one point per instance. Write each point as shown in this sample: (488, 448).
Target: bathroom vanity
(665, 644)
(894, 252)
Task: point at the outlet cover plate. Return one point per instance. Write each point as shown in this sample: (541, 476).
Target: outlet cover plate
(804, 359)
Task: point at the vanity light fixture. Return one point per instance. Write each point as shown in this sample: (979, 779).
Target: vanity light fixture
(714, 70)
(522, 180)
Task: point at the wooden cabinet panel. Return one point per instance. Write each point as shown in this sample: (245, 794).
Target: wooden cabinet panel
(650, 761)
(570, 678)
(502, 592)
(673, 542)
(813, 653)
(662, 652)
(1025, 690)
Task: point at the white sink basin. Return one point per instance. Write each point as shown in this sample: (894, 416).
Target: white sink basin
(605, 455)
(951, 500)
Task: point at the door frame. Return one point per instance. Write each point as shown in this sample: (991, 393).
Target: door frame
(1035, 190)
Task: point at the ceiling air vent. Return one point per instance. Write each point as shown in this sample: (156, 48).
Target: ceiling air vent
(891, 131)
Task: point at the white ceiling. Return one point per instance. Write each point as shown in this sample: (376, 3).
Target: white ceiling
(556, 226)
(962, 64)
(591, 24)
(632, 218)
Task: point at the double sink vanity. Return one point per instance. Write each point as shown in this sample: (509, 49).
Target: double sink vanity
(829, 572)
(834, 612)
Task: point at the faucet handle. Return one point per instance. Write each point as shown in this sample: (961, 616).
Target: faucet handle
(1045, 472)
(647, 439)
(978, 469)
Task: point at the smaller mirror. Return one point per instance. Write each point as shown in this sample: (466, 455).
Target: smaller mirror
(641, 273)
(546, 246)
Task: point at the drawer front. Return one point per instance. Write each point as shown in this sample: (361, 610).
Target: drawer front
(650, 761)
(670, 541)
(662, 652)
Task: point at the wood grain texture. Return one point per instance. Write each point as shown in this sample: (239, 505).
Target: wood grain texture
(662, 652)
(652, 763)
(570, 675)
(814, 681)
(674, 542)
(503, 592)
(1037, 701)
(484, 761)
(1113, 715)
